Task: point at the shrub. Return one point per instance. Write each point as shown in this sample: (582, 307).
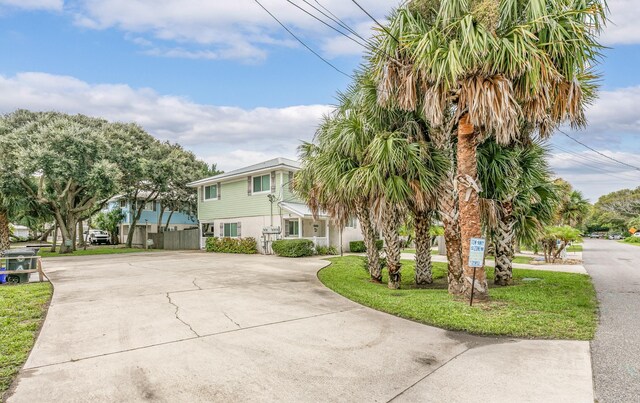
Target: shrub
(632, 239)
(326, 250)
(358, 246)
(293, 247)
(246, 246)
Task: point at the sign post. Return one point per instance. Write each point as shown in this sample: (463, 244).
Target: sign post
(476, 259)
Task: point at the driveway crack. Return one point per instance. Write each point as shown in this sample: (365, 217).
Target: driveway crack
(178, 316)
(234, 322)
(429, 374)
(194, 283)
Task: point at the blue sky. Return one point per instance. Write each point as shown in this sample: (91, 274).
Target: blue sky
(223, 79)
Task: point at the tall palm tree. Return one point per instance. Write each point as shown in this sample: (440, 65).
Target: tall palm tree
(318, 181)
(397, 172)
(490, 63)
(515, 180)
(575, 210)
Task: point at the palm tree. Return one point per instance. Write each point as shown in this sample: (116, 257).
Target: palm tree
(318, 181)
(398, 172)
(488, 64)
(515, 180)
(575, 210)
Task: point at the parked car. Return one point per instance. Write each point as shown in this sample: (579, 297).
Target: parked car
(615, 237)
(97, 237)
(637, 234)
(595, 235)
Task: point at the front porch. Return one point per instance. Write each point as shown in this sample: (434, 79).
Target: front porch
(299, 223)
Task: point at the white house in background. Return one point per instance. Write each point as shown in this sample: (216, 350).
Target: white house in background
(257, 201)
(20, 231)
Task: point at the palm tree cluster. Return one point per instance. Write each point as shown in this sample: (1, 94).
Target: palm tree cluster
(443, 78)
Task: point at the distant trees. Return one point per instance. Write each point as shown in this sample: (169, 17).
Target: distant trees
(71, 165)
(616, 211)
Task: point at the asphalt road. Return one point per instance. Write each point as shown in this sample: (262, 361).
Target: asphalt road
(615, 269)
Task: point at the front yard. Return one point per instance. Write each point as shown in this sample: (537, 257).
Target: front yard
(540, 304)
(22, 310)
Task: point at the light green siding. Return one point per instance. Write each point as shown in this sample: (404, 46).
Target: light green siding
(235, 202)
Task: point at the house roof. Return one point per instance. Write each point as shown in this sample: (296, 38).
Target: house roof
(300, 209)
(273, 163)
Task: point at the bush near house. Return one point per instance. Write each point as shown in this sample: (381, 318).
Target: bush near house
(359, 247)
(293, 247)
(326, 250)
(632, 239)
(246, 246)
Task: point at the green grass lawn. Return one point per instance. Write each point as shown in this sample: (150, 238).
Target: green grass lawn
(517, 259)
(22, 309)
(574, 248)
(96, 251)
(557, 306)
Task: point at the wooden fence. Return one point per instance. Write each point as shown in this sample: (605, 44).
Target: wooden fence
(177, 240)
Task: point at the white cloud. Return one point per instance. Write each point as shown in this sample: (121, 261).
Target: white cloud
(228, 135)
(55, 5)
(623, 27)
(229, 29)
(594, 174)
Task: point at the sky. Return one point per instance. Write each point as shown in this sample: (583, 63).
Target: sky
(223, 79)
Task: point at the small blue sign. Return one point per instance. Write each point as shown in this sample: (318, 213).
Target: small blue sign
(476, 252)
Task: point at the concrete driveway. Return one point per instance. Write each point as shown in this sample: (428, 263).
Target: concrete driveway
(191, 326)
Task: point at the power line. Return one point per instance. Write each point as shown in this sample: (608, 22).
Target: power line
(326, 23)
(604, 172)
(302, 42)
(335, 19)
(376, 21)
(602, 165)
(598, 152)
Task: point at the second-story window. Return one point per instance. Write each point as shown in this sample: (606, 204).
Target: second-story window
(262, 183)
(211, 192)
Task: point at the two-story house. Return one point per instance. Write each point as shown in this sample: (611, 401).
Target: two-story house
(257, 201)
(152, 220)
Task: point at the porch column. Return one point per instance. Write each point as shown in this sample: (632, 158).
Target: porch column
(326, 233)
(299, 227)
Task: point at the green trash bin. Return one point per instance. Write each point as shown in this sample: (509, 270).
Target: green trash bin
(20, 259)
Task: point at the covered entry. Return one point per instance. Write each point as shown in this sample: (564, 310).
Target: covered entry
(298, 222)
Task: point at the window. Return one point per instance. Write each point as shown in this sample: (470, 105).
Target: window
(208, 229)
(123, 203)
(293, 228)
(262, 183)
(231, 230)
(211, 192)
(150, 206)
(351, 223)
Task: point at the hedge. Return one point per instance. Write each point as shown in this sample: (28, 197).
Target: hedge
(246, 246)
(293, 247)
(327, 250)
(359, 247)
(632, 239)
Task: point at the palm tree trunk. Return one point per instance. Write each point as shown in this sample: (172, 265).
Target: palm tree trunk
(504, 237)
(390, 231)
(368, 233)
(448, 208)
(5, 242)
(468, 201)
(422, 224)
